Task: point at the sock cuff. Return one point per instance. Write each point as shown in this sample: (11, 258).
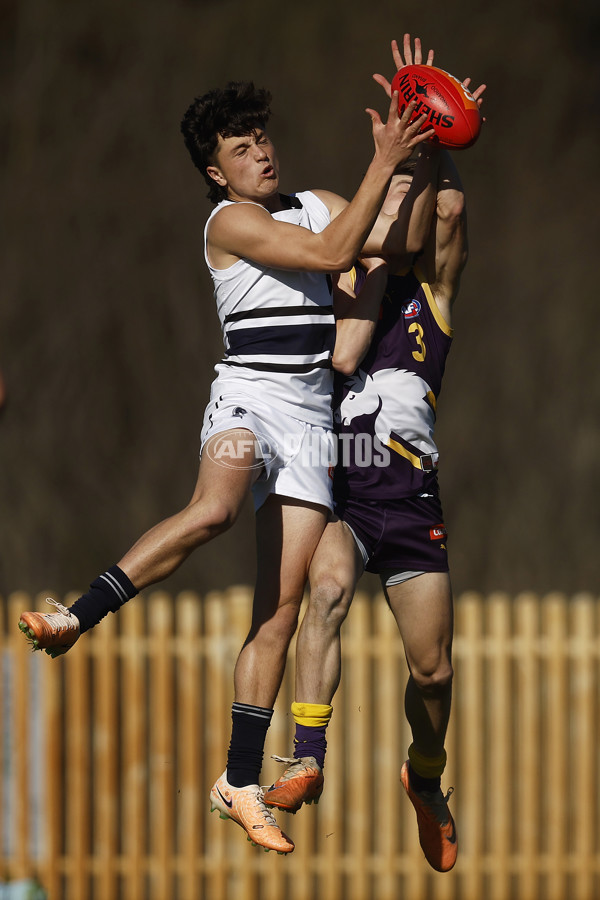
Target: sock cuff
(257, 712)
(315, 715)
(116, 582)
(426, 766)
(127, 585)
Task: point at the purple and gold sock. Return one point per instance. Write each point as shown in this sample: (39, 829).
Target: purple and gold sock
(311, 721)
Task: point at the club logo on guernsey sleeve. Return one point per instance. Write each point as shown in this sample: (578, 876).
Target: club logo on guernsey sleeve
(438, 533)
(411, 309)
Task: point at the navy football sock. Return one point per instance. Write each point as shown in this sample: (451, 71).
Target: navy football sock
(107, 594)
(248, 733)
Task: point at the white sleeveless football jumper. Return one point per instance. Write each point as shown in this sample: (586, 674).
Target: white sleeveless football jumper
(278, 327)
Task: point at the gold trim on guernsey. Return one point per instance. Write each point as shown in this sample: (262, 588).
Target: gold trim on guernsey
(435, 310)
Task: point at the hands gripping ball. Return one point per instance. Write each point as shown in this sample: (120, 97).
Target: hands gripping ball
(451, 110)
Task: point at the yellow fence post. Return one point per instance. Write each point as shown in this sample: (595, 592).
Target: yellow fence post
(107, 745)
(581, 779)
(499, 706)
(189, 825)
(555, 687)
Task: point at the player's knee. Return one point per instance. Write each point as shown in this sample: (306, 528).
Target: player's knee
(286, 621)
(213, 516)
(433, 677)
(330, 599)
(278, 628)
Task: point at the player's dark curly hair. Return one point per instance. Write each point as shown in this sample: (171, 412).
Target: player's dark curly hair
(238, 109)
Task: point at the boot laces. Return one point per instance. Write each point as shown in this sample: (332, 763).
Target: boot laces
(62, 609)
(265, 811)
(294, 766)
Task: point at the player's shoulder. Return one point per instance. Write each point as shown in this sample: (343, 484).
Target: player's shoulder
(235, 215)
(237, 209)
(334, 203)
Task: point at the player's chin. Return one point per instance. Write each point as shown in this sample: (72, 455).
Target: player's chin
(269, 185)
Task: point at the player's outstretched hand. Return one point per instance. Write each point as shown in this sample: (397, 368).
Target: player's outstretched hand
(407, 60)
(477, 94)
(396, 138)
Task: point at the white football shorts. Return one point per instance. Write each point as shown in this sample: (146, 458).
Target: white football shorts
(297, 458)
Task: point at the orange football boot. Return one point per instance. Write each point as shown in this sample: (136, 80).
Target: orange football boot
(302, 782)
(437, 831)
(246, 806)
(53, 632)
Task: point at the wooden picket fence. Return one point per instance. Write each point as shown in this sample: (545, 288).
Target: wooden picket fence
(108, 755)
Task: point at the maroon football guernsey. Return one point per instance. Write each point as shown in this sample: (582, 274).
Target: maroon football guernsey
(385, 412)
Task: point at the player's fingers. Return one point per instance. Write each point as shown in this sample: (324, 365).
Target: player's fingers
(408, 57)
(428, 135)
(418, 53)
(430, 56)
(396, 55)
(375, 117)
(407, 112)
(477, 93)
(415, 126)
(382, 80)
(394, 110)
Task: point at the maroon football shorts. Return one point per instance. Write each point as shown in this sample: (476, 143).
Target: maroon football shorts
(406, 534)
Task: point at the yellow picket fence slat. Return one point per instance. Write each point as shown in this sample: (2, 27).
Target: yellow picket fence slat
(109, 752)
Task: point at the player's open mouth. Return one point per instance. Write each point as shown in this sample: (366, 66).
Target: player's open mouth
(268, 172)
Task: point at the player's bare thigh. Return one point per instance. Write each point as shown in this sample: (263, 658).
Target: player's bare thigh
(229, 476)
(337, 557)
(423, 609)
(288, 532)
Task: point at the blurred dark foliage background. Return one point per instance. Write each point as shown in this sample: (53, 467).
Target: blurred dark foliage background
(108, 332)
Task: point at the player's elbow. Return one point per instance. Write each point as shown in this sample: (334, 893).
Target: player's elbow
(345, 363)
(333, 256)
(414, 244)
(453, 207)
(340, 262)
(350, 347)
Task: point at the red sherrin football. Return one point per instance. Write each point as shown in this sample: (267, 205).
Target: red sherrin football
(451, 109)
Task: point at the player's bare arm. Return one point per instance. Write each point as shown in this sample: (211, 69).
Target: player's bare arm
(409, 234)
(403, 225)
(410, 205)
(357, 315)
(446, 253)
